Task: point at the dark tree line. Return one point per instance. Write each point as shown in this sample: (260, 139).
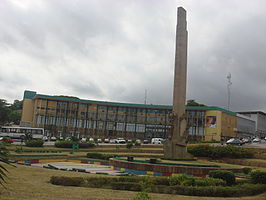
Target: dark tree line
(10, 113)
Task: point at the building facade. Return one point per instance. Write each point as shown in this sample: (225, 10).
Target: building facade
(260, 120)
(70, 116)
(246, 126)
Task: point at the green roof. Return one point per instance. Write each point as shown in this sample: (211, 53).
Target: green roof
(34, 95)
(29, 94)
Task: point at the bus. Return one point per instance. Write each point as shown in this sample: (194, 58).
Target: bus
(18, 132)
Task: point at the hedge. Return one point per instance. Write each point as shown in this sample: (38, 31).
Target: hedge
(136, 183)
(126, 186)
(225, 175)
(258, 177)
(101, 156)
(183, 179)
(220, 151)
(67, 181)
(34, 143)
(68, 144)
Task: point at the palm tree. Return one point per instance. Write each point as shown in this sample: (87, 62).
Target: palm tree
(3, 159)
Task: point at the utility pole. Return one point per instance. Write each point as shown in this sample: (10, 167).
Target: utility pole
(228, 90)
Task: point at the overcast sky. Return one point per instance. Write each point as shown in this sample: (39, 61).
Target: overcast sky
(113, 50)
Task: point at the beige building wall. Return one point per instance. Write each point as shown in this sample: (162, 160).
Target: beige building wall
(27, 112)
(229, 125)
(223, 127)
(213, 125)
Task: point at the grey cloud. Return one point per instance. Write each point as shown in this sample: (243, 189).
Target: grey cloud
(114, 50)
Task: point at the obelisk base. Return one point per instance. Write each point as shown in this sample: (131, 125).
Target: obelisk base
(173, 149)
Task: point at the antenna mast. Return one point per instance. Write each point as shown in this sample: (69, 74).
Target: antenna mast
(145, 97)
(228, 90)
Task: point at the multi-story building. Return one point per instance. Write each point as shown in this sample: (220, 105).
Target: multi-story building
(71, 116)
(246, 126)
(260, 120)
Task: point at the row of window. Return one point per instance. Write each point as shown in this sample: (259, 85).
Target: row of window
(75, 106)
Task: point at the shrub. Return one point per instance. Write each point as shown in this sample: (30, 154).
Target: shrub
(247, 170)
(137, 144)
(258, 177)
(135, 179)
(64, 144)
(129, 145)
(220, 151)
(101, 156)
(209, 182)
(69, 143)
(98, 182)
(143, 184)
(142, 196)
(87, 145)
(161, 181)
(181, 179)
(225, 175)
(126, 186)
(67, 181)
(34, 143)
(19, 149)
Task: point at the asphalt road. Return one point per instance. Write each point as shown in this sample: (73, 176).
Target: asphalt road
(261, 144)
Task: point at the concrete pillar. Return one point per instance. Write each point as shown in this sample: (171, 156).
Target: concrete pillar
(175, 147)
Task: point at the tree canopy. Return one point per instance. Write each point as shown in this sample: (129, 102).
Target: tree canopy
(10, 113)
(192, 102)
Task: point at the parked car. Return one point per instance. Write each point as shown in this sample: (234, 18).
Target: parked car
(45, 138)
(256, 139)
(129, 141)
(106, 140)
(6, 140)
(138, 141)
(156, 140)
(246, 140)
(91, 140)
(53, 138)
(99, 140)
(112, 141)
(234, 141)
(120, 141)
(83, 139)
(145, 141)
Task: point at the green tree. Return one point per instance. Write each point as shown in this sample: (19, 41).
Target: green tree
(4, 111)
(17, 105)
(10, 112)
(192, 102)
(14, 116)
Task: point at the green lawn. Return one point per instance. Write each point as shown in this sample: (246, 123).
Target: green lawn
(31, 183)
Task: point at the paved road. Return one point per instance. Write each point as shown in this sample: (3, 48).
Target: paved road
(261, 144)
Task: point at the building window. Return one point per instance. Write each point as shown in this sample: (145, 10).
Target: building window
(120, 126)
(140, 128)
(100, 125)
(130, 127)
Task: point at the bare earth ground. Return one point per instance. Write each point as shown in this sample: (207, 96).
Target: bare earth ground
(28, 183)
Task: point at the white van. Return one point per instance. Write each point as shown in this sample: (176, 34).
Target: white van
(156, 140)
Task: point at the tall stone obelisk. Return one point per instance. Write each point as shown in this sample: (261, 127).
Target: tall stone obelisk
(175, 147)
